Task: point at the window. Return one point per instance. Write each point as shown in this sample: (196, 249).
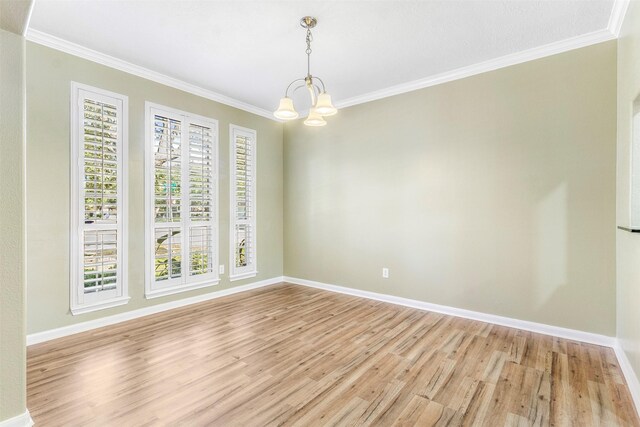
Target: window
(182, 201)
(98, 199)
(243, 203)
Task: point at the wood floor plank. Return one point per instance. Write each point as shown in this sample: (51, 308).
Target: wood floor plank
(411, 414)
(290, 355)
(477, 412)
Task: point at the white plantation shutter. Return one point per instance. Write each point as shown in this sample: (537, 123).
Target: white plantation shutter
(100, 260)
(98, 240)
(201, 198)
(167, 149)
(201, 250)
(167, 253)
(182, 206)
(243, 203)
(201, 169)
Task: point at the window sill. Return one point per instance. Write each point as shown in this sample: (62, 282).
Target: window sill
(101, 305)
(157, 293)
(234, 277)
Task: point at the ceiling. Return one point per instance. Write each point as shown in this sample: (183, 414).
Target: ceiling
(250, 50)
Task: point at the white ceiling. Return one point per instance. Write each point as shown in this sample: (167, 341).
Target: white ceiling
(250, 50)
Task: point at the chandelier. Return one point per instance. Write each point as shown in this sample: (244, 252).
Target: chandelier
(321, 105)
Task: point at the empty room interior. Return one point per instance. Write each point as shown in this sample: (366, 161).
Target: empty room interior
(320, 213)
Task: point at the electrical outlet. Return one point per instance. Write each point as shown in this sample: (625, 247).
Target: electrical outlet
(385, 272)
(221, 269)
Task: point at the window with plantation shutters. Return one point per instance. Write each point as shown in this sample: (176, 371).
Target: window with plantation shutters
(243, 203)
(98, 199)
(181, 198)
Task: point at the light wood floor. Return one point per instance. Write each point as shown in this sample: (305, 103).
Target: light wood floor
(290, 355)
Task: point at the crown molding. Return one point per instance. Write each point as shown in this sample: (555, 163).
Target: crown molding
(27, 20)
(612, 31)
(616, 19)
(483, 67)
(57, 43)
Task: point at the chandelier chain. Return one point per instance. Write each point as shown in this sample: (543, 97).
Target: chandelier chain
(308, 51)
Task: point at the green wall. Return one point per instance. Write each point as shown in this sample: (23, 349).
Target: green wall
(49, 73)
(12, 199)
(495, 193)
(628, 244)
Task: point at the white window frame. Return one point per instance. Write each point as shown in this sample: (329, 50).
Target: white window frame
(154, 289)
(79, 301)
(250, 270)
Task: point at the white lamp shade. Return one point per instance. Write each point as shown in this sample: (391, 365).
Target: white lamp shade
(314, 119)
(324, 107)
(285, 110)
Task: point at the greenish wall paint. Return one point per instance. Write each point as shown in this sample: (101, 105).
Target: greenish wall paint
(49, 74)
(12, 267)
(494, 193)
(628, 244)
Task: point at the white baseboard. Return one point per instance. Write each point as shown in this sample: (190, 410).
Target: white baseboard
(625, 365)
(629, 374)
(39, 337)
(22, 420)
(540, 328)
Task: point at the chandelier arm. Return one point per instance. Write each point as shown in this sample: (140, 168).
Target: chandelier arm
(298, 87)
(286, 92)
(320, 80)
(313, 95)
